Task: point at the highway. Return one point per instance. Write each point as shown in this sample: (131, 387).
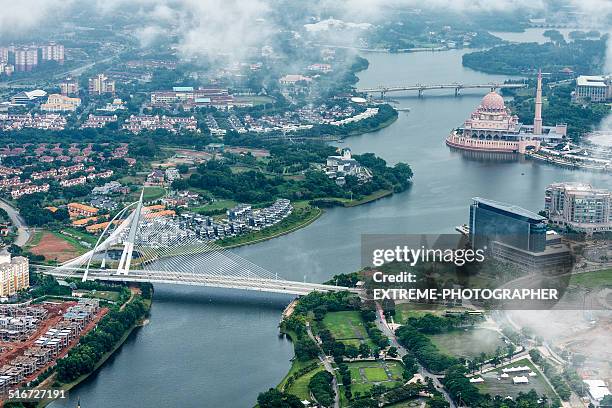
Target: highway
(23, 232)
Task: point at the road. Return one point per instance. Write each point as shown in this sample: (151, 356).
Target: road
(328, 367)
(381, 322)
(23, 232)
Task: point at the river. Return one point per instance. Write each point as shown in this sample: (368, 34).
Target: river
(212, 348)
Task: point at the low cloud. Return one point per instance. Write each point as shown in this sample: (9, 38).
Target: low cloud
(23, 16)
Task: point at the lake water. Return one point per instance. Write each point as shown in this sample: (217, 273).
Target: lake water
(213, 348)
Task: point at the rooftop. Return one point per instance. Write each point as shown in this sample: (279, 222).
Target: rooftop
(514, 209)
(591, 80)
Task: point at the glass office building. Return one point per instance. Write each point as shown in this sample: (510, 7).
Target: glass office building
(492, 221)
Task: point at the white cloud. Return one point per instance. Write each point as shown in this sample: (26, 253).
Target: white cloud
(23, 15)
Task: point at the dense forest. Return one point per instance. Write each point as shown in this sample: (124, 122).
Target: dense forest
(559, 108)
(256, 187)
(581, 56)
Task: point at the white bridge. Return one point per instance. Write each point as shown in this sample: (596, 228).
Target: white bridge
(142, 247)
(383, 90)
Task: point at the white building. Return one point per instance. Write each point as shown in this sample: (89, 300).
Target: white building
(579, 206)
(597, 389)
(338, 167)
(595, 88)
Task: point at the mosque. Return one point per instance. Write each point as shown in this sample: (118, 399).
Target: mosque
(491, 127)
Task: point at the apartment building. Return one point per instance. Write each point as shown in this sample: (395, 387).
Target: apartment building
(14, 273)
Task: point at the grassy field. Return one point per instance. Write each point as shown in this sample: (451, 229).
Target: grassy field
(595, 279)
(215, 205)
(102, 294)
(369, 198)
(151, 193)
(404, 311)
(55, 246)
(82, 235)
(346, 326)
(300, 386)
(505, 387)
(468, 343)
(35, 238)
(365, 374)
(415, 403)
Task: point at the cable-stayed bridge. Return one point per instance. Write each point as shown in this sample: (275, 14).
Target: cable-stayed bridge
(140, 245)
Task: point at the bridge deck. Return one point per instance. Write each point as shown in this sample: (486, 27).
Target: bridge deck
(200, 279)
(420, 87)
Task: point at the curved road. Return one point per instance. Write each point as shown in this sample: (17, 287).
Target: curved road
(381, 323)
(23, 232)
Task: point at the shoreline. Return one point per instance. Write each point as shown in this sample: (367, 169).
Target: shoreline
(100, 363)
(380, 126)
(300, 225)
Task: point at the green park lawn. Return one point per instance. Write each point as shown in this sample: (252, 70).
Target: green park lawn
(375, 374)
(215, 205)
(346, 325)
(468, 343)
(300, 386)
(153, 193)
(595, 279)
(365, 374)
(404, 311)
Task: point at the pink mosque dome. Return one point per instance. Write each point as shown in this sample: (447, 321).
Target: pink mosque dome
(492, 101)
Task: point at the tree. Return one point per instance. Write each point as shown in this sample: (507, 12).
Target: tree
(535, 355)
(364, 350)
(274, 398)
(437, 402)
(306, 349)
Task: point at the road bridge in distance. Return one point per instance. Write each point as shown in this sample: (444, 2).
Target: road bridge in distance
(421, 88)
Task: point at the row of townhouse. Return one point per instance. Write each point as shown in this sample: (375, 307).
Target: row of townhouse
(98, 121)
(48, 121)
(49, 345)
(61, 172)
(137, 123)
(9, 171)
(18, 322)
(74, 182)
(78, 181)
(29, 189)
(14, 182)
(102, 175)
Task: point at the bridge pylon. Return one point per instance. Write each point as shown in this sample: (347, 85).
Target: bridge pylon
(128, 245)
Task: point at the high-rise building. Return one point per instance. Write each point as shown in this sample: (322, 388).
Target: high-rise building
(579, 207)
(53, 52)
(508, 224)
(14, 274)
(4, 55)
(100, 84)
(69, 87)
(26, 58)
(514, 235)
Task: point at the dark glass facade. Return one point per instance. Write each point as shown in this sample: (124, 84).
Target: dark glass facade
(511, 225)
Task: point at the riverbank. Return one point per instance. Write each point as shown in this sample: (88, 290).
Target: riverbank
(380, 126)
(299, 218)
(52, 382)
